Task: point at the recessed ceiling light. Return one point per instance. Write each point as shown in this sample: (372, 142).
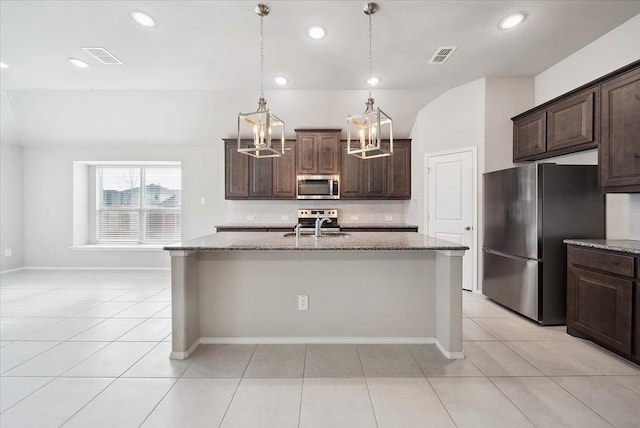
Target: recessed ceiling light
(78, 63)
(143, 19)
(512, 21)
(373, 81)
(316, 32)
(281, 80)
(3, 65)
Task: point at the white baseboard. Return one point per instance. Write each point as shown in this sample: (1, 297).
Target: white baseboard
(11, 270)
(315, 340)
(94, 268)
(450, 355)
(184, 355)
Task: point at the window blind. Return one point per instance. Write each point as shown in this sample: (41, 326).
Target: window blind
(139, 204)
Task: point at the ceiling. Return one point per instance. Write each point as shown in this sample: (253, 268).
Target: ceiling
(212, 47)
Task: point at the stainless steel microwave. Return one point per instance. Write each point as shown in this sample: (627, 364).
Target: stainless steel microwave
(318, 187)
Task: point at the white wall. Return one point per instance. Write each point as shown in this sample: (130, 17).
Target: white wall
(505, 98)
(49, 205)
(453, 120)
(611, 51)
(11, 206)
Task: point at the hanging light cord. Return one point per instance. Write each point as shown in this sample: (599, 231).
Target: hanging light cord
(261, 56)
(370, 75)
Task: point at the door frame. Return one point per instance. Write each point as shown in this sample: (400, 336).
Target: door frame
(474, 204)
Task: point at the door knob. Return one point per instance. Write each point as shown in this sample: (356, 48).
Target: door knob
(467, 228)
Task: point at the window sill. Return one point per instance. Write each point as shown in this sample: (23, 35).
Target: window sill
(119, 247)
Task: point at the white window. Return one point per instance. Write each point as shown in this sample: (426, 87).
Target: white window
(138, 204)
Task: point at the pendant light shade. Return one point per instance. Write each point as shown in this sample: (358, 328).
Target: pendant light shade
(264, 129)
(368, 132)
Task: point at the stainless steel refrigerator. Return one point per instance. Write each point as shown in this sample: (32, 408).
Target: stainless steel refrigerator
(528, 212)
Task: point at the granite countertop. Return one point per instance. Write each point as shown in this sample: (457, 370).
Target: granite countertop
(378, 225)
(266, 241)
(292, 225)
(622, 245)
(259, 225)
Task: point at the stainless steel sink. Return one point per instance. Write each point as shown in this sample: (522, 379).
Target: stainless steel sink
(323, 235)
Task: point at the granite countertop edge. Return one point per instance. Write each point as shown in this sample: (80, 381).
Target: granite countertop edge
(292, 225)
(275, 241)
(621, 245)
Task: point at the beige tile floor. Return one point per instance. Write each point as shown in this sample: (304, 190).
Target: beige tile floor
(90, 349)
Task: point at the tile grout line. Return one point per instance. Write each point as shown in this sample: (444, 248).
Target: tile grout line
(233, 396)
(304, 368)
(577, 398)
(509, 400)
(432, 388)
(366, 384)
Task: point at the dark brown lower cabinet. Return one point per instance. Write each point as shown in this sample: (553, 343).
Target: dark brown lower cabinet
(602, 299)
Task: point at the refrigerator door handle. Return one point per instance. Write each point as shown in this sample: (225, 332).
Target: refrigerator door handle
(509, 256)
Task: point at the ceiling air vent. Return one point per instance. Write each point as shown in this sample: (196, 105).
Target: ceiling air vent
(442, 54)
(102, 55)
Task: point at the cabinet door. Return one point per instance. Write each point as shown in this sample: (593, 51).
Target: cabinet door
(570, 123)
(620, 128)
(328, 153)
(350, 174)
(600, 306)
(260, 178)
(236, 172)
(284, 173)
(530, 136)
(399, 171)
(306, 157)
(374, 178)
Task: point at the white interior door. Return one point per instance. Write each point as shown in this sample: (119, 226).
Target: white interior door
(450, 212)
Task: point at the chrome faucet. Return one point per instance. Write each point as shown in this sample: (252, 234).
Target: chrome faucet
(319, 223)
(297, 230)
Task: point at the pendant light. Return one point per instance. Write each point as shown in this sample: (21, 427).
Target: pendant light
(367, 130)
(265, 128)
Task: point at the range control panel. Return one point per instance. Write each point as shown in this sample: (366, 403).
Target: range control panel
(322, 212)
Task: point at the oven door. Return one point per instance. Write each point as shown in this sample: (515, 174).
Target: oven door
(318, 187)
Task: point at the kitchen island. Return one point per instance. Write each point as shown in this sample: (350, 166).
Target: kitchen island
(366, 287)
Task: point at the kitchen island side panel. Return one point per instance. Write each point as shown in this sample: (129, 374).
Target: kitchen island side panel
(354, 294)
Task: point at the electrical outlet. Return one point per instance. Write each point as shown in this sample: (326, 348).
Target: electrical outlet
(284, 217)
(303, 302)
(388, 218)
(251, 217)
(8, 252)
(354, 217)
(203, 201)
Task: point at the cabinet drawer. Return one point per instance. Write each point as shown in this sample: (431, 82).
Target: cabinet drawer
(601, 260)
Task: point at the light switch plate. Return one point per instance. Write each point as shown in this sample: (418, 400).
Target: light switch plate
(354, 217)
(388, 218)
(251, 217)
(284, 217)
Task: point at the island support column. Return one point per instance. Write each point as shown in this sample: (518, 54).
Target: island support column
(449, 303)
(185, 322)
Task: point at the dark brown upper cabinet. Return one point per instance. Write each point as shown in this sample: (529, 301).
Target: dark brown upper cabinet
(317, 151)
(564, 126)
(604, 113)
(620, 139)
(247, 177)
(529, 136)
(236, 172)
(379, 178)
(284, 173)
